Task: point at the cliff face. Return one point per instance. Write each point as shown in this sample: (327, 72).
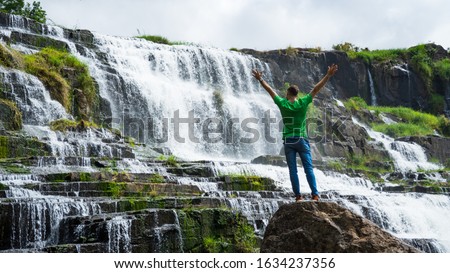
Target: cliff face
(393, 82)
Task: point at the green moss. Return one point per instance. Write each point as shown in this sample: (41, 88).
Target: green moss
(15, 147)
(64, 125)
(156, 178)
(137, 204)
(4, 147)
(239, 182)
(10, 57)
(335, 165)
(16, 169)
(113, 189)
(85, 176)
(58, 87)
(216, 231)
(11, 117)
(172, 161)
(3, 187)
(411, 122)
(58, 70)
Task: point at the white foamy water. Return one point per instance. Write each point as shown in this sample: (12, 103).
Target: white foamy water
(411, 215)
(407, 156)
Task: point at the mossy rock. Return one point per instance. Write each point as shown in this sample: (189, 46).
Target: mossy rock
(247, 183)
(216, 230)
(10, 116)
(21, 146)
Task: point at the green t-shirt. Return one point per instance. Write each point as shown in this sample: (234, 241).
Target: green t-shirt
(294, 115)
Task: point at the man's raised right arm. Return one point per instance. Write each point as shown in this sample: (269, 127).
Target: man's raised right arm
(258, 75)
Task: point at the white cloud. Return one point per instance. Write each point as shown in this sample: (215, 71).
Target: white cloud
(263, 24)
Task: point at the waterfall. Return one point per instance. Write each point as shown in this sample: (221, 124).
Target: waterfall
(408, 74)
(119, 234)
(35, 217)
(31, 97)
(406, 156)
(373, 95)
(173, 96)
(391, 211)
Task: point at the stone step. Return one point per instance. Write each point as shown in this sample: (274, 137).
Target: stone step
(114, 189)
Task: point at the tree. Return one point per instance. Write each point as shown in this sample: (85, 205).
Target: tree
(33, 11)
(346, 47)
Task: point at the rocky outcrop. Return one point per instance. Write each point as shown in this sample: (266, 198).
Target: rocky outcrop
(394, 82)
(326, 227)
(306, 68)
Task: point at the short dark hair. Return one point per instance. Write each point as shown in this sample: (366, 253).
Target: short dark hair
(293, 90)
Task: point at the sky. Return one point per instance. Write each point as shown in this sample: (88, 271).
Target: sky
(263, 24)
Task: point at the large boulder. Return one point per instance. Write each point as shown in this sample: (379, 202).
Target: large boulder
(326, 227)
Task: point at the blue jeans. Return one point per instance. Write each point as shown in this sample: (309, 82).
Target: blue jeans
(292, 146)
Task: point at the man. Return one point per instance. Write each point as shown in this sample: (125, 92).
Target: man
(295, 137)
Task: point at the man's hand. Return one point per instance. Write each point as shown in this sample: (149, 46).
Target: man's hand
(332, 70)
(257, 74)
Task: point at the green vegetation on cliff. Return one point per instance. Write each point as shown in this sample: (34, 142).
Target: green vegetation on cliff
(59, 71)
(409, 122)
(429, 61)
(64, 125)
(161, 40)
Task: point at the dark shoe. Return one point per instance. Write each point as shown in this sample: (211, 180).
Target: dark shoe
(298, 198)
(315, 197)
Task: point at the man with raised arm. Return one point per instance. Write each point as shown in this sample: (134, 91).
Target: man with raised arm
(295, 137)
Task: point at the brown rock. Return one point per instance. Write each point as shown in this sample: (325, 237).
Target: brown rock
(314, 227)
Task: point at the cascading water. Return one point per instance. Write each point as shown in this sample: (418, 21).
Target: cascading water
(170, 96)
(407, 156)
(405, 70)
(178, 94)
(373, 95)
(391, 211)
(31, 97)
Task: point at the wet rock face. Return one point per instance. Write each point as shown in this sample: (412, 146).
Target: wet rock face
(326, 227)
(10, 116)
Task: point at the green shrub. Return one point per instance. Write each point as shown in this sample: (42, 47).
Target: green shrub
(291, 51)
(436, 104)
(355, 104)
(156, 39)
(444, 125)
(402, 129)
(172, 161)
(377, 55)
(64, 125)
(442, 69)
